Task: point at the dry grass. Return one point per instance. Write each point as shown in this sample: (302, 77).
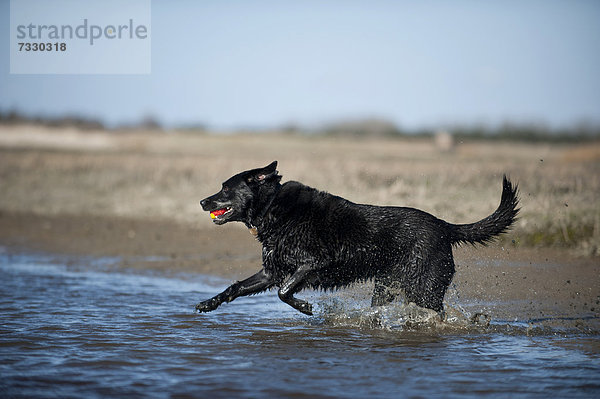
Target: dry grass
(162, 176)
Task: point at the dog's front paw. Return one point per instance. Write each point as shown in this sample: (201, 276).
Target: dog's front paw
(207, 306)
(306, 308)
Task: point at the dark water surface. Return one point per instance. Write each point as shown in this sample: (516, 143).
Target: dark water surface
(82, 327)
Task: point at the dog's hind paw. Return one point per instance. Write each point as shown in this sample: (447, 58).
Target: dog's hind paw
(207, 306)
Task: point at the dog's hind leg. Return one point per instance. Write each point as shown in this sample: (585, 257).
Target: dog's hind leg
(292, 285)
(429, 293)
(252, 285)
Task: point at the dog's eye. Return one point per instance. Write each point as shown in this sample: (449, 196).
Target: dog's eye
(225, 189)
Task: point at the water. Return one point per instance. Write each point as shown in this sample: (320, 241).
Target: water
(83, 327)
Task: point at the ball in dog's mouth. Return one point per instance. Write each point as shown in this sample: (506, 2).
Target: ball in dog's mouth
(219, 212)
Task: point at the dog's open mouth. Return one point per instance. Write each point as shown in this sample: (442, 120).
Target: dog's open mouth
(219, 213)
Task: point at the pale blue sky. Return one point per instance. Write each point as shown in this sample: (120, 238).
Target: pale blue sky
(259, 63)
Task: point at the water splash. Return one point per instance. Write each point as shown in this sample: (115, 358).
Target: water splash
(397, 316)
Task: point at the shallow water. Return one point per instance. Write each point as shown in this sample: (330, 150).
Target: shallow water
(83, 327)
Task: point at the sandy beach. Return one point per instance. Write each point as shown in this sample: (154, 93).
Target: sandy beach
(135, 196)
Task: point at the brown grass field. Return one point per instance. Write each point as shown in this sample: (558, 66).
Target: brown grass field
(161, 177)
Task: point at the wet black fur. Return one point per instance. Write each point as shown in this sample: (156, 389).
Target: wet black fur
(314, 239)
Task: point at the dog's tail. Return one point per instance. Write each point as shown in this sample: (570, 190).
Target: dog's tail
(498, 222)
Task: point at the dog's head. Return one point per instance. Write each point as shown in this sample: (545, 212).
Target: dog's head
(240, 193)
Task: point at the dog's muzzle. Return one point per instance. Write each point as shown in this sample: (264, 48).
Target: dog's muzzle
(218, 212)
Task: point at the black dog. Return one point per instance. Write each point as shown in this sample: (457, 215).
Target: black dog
(314, 239)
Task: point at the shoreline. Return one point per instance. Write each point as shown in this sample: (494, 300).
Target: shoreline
(520, 282)
(186, 248)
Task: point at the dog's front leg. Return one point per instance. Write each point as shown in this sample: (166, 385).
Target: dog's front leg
(252, 285)
(293, 285)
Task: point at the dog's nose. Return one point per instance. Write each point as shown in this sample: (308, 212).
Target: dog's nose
(203, 203)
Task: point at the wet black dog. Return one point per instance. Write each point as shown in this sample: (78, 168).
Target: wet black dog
(314, 239)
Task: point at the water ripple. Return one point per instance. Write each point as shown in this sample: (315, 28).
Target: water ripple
(84, 328)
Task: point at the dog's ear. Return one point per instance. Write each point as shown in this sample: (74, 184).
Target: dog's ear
(263, 174)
